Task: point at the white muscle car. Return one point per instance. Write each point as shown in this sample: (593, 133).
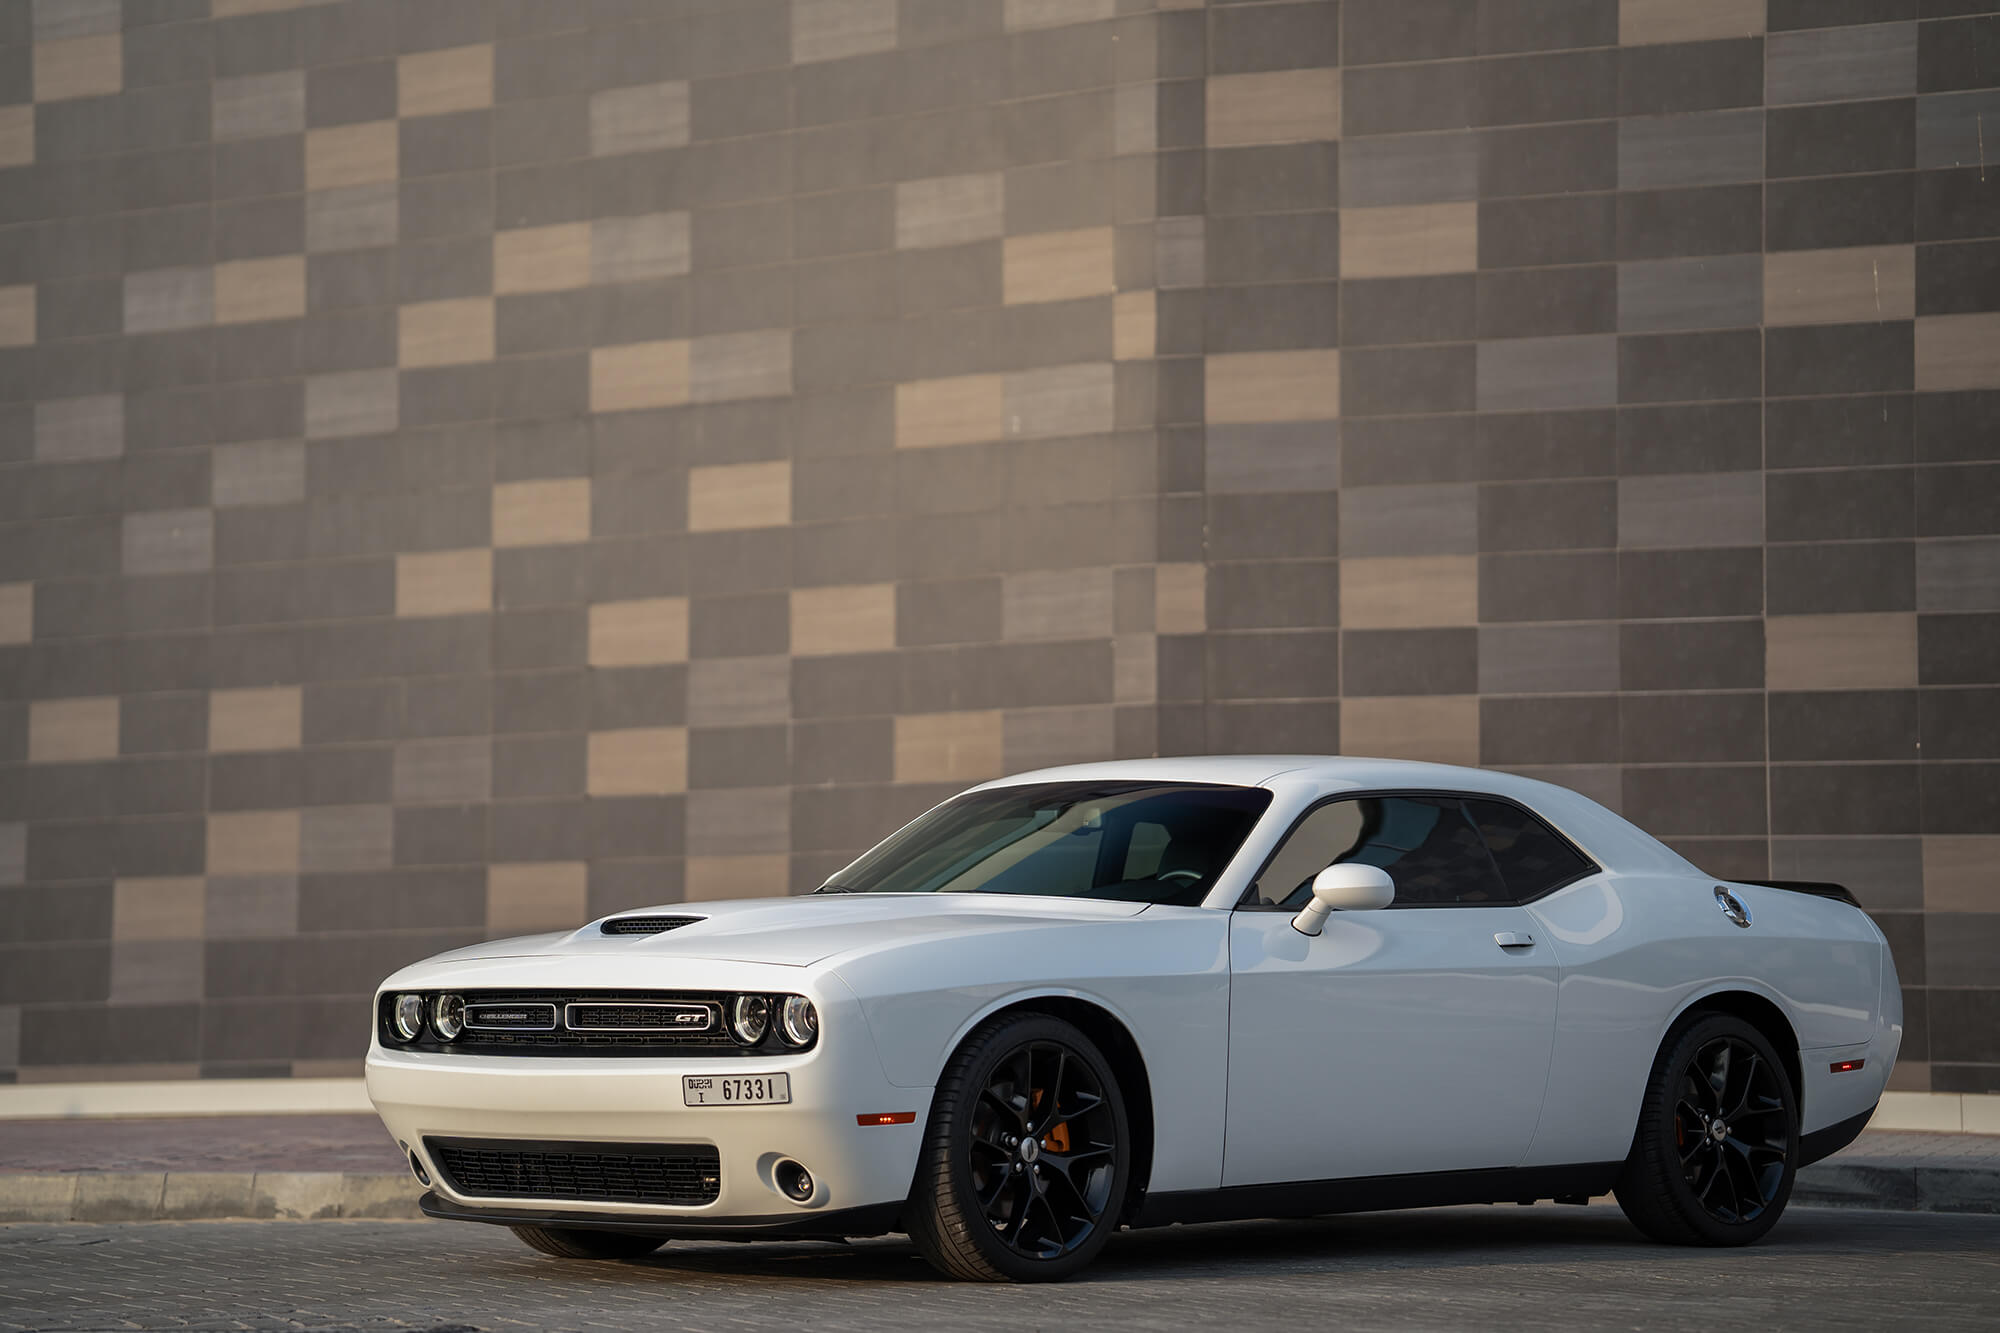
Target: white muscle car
(1154, 991)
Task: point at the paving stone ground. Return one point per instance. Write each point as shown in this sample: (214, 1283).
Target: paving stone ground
(1502, 1268)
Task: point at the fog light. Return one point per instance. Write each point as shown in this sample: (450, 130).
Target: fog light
(794, 1180)
(409, 1017)
(417, 1170)
(749, 1018)
(798, 1021)
(448, 1016)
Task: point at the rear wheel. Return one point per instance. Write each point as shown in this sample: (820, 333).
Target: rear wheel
(571, 1243)
(1718, 1140)
(1026, 1156)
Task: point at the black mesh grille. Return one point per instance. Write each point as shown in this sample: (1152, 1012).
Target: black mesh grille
(665, 1017)
(681, 1173)
(646, 925)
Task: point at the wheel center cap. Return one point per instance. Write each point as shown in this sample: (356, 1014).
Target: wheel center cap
(1031, 1148)
(1718, 1130)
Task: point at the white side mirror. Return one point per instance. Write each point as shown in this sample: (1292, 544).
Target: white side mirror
(1349, 887)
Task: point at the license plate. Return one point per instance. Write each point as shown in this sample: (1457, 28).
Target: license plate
(736, 1089)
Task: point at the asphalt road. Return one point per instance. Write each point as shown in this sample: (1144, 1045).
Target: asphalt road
(1488, 1268)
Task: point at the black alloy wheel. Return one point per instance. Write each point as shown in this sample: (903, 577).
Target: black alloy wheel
(1026, 1156)
(1718, 1140)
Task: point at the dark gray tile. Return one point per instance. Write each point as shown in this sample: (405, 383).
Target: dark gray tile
(1665, 224)
(1842, 137)
(1838, 211)
(1835, 577)
(1839, 358)
(1548, 586)
(1410, 662)
(1580, 730)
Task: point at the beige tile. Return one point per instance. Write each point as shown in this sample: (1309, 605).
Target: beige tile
(1056, 265)
(430, 83)
(248, 290)
(352, 402)
(739, 495)
(444, 583)
(1437, 728)
(351, 155)
(640, 119)
(1020, 14)
(739, 691)
(17, 135)
(541, 513)
(541, 259)
(256, 719)
(728, 366)
(17, 315)
(637, 249)
(963, 409)
(1863, 651)
(642, 761)
(639, 633)
(715, 877)
(255, 843)
(233, 8)
(1274, 386)
(949, 210)
(526, 897)
(445, 333)
(1055, 401)
(1958, 352)
(638, 375)
(1134, 326)
(1851, 286)
(1135, 669)
(857, 619)
(1645, 21)
(17, 612)
(1287, 106)
(1959, 873)
(1135, 118)
(79, 67)
(1409, 592)
(948, 747)
(62, 730)
(1402, 241)
(158, 909)
(1180, 599)
(837, 29)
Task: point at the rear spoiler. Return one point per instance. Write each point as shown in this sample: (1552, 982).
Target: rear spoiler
(1817, 888)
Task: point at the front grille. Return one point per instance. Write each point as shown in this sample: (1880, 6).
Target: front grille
(550, 1022)
(677, 1173)
(639, 1017)
(646, 925)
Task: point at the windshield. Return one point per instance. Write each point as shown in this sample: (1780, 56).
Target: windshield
(1123, 842)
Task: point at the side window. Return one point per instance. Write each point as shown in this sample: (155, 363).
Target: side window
(1144, 851)
(1426, 843)
(1532, 857)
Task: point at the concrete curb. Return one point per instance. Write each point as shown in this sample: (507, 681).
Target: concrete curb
(1912, 1187)
(180, 1196)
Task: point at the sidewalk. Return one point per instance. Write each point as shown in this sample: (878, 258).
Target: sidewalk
(332, 1166)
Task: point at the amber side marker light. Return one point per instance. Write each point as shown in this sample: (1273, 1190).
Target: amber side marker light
(887, 1118)
(1846, 1066)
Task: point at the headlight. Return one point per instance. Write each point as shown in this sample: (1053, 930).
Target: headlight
(798, 1021)
(749, 1018)
(448, 1016)
(408, 1018)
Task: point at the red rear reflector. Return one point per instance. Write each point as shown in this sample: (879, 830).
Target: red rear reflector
(887, 1118)
(1846, 1066)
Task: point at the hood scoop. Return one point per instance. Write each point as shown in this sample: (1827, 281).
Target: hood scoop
(646, 925)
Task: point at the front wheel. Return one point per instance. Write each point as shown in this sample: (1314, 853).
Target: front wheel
(573, 1243)
(1026, 1156)
(1718, 1141)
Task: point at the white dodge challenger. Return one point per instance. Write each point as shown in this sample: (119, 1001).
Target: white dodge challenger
(1154, 991)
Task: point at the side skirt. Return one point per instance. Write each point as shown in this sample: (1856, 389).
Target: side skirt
(832, 1224)
(1366, 1194)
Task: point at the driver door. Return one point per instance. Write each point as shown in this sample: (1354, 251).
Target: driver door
(1413, 1039)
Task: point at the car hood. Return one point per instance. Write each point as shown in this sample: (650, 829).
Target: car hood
(797, 932)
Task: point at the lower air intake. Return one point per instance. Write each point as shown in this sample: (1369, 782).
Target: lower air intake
(673, 1173)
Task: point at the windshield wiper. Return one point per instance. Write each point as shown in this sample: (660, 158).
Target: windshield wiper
(835, 888)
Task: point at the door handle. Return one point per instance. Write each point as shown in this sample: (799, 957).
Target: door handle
(1511, 939)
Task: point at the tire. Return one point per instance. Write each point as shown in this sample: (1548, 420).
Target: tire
(1028, 1113)
(571, 1243)
(1717, 1146)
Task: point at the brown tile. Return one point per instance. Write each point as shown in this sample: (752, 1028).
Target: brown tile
(1858, 285)
(17, 612)
(1441, 729)
(156, 971)
(1020, 15)
(1958, 873)
(1273, 386)
(66, 730)
(639, 119)
(445, 333)
(254, 719)
(264, 842)
(79, 67)
(1180, 598)
(1285, 106)
(541, 513)
(1134, 326)
(17, 135)
(1871, 650)
(430, 83)
(760, 876)
(444, 583)
(346, 837)
(1056, 401)
(960, 410)
(1057, 265)
(526, 897)
(1409, 592)
(837, 29)
(17, 316)
(1642, 22)
(638, 249)
(1409, 240)
(641, 761)
(1056, 604)
(542, 259)
(158, 909)
(949, 747)
(739, 495)
(729, 366)
(639, 633)
(739, 691)
(1045, 737)
(351, 155)
(949, 210)
(1958, 352)
(859, 618)
(250, 290)
(639, 375)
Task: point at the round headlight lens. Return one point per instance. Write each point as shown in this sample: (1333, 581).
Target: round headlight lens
(798, 1021)
(448, 1016)
(408, 1017)
(749, 1018)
